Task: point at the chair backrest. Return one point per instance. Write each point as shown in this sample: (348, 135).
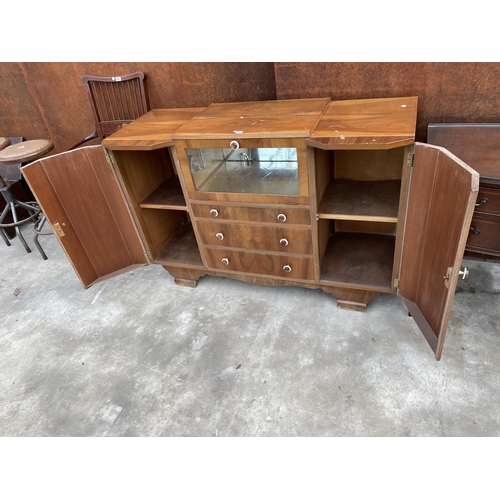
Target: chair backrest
(116, 100)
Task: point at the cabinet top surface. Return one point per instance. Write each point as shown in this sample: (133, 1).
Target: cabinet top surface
(367, 123)
(152, 130)
(326, 124)
(258, 119)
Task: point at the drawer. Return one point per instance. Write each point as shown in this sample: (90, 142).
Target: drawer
(484, 235)
(488, 201)
(271, 238)
(283, 266)
(253, 214)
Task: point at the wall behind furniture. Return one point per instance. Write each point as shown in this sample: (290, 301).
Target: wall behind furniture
(48, 100)
(447, 92)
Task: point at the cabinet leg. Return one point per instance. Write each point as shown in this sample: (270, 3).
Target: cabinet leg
(351, 299)
(185, 277)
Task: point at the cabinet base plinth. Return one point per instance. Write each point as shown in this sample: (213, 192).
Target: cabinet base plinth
(185, 277)
(348, 298)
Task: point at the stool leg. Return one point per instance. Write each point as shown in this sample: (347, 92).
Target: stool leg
(18, 231)
(38, 228)
(2, 217)
(4, 236)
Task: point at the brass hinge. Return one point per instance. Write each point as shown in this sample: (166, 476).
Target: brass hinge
(148, 257)
(409, 159)
(396, 283)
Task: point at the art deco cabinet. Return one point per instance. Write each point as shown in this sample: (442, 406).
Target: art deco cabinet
(310, 192)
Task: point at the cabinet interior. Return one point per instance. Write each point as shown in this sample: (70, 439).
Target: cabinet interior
(358, 193)
(154, 193)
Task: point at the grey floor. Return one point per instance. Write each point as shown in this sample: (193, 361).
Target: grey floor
(139, 356)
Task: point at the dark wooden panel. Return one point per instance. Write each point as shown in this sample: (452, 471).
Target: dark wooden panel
(48, 100)
(440, 205)
(79, 191)
(478, 145)
(447, 92)
(484, 236)
(359, 259)
(55, 213)
(259, 237)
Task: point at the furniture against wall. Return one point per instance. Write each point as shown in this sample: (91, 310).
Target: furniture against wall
(308, 192)
(115, 101)
(479, 146)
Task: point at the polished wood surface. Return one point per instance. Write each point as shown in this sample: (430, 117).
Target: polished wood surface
(345, 230)
(152, 131)
(252, 214)
(366, 124)
(71, 186)
(361, 200)
(301, 268)
(168, 196)
(441, 200)
(256, 237)
(181, 250)
(290, 118)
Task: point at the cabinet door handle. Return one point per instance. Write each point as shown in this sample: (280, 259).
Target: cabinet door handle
(281, 217)
(219, 236)
(474, 230)
(484, 200)
(225, 261)
(214, 213)
(287, 268)
(284, 242)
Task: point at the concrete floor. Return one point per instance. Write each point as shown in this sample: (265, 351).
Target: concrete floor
(139, 356)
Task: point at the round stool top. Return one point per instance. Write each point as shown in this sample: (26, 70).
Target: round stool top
(25, 151)
(4, 142)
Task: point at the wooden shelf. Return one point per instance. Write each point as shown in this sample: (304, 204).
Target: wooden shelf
(181, 249)
(360, 259)
(166, 197)
(376, 201)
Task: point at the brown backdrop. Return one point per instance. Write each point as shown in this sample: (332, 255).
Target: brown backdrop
(48, 100)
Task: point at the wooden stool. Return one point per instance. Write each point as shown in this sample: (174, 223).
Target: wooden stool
(21, 153)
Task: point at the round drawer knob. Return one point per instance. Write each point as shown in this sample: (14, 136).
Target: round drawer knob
(214, 213)
(234, 145)
(225, 261)
(287, 268)
(281, 217)
(219, 236)
(284, 242)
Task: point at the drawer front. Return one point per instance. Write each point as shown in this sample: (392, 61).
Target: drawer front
(251, 214)
(488, 201)
(484, 235)
(273, 239)
(283, 266)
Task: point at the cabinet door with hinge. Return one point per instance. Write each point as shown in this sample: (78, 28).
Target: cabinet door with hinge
(80, 196)
(442, 194)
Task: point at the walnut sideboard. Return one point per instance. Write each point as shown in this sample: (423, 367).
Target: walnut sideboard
(307, 192)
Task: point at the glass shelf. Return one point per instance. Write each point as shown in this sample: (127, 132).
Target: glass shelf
(245, 170)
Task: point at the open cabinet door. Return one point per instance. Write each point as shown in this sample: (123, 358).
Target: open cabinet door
(80, 196)
(442, 194)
